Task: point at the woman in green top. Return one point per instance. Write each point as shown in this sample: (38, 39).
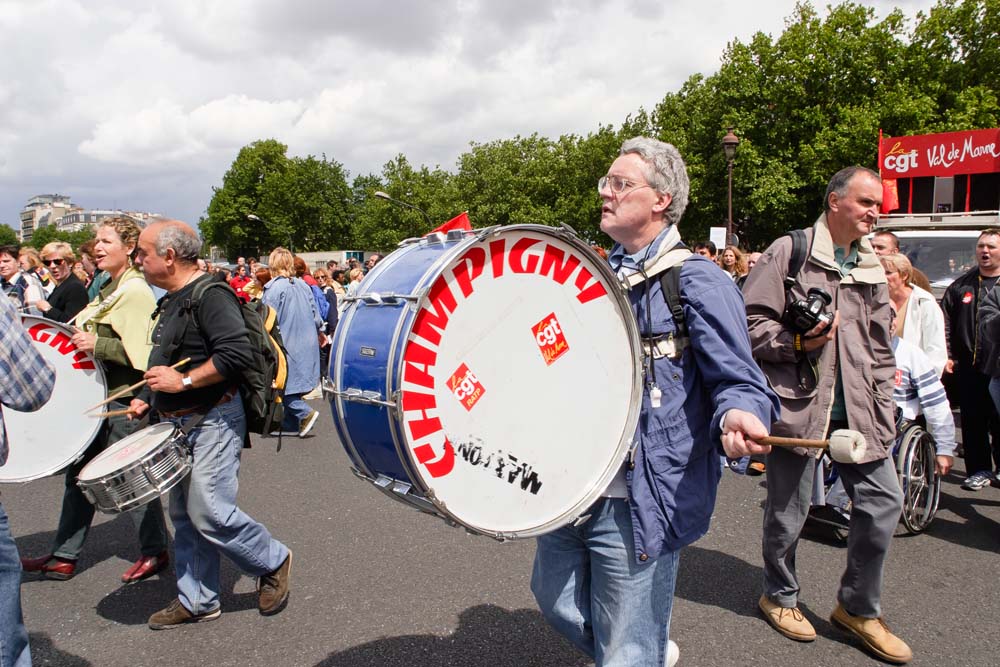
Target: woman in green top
(115, 328)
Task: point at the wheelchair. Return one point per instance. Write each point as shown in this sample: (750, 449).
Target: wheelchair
(914, 456)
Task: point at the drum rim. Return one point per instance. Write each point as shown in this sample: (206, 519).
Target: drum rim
(169, 430)
(404, 327)
(103, 380)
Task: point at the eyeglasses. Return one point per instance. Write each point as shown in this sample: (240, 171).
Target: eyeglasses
(54, 262)
(618, 184)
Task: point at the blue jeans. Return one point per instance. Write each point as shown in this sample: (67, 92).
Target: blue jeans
(590, 588)
(296, 409)
(14, 651)
(207, 521)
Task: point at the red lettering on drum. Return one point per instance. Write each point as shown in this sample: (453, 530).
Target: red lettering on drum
(414, 357)
(421, 428)
(554, 267)
(61, 343)
(429, 324)
(436, 467)
(470, 266)
(517, 261)
(417, 400)
(497, 255)
(593, 291)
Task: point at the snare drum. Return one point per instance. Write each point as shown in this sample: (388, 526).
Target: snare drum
(46, 441)
(492, 378)
(136, 469)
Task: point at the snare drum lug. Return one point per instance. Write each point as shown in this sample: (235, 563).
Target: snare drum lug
(487, 232)
(364, 396)
(566, 229)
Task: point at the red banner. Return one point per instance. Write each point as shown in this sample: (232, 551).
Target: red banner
(946, 154)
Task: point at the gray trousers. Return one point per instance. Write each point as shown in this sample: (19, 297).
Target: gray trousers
(877, 503)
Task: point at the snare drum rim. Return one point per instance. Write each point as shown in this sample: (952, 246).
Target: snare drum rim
(103, 381)
(616, 291)
(169, 435)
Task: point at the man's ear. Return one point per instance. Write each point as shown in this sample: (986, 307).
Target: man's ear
(662, 202)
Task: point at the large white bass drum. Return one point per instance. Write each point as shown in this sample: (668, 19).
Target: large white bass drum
(491, 377)
(45, 441)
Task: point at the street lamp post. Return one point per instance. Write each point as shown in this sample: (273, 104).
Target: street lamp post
(386, 197)
(729, 144)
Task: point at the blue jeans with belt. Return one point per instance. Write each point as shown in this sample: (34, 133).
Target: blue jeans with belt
(207, 521)
(14, 651)
(591, 590)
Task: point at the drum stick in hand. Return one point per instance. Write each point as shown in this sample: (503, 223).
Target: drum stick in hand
(128, 390)
(114, 413)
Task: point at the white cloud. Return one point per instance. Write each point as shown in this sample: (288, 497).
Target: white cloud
(146, 105)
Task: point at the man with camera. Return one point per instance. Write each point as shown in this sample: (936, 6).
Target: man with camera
(831, 370)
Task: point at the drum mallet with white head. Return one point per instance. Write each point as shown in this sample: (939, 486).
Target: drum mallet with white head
(845, 446)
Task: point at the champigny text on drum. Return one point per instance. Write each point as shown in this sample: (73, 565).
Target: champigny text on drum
(488, 261)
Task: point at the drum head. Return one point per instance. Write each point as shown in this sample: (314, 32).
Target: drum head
(46, 441)
(520, 382)
(128, 450)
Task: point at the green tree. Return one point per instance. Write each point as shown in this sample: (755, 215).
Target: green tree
(48, 233)
(8, 236)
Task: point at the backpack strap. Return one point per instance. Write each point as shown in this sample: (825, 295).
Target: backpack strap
(797, 259)
(670, 283)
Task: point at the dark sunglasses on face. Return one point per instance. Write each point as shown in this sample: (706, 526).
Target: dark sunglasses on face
(53, 262)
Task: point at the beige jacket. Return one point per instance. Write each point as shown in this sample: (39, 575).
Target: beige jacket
(862, 347)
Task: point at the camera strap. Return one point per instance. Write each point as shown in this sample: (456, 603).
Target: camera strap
(800, 246)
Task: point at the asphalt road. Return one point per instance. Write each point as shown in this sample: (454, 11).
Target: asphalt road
(376, 583)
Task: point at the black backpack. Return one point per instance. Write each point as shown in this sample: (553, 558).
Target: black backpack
(263, 382)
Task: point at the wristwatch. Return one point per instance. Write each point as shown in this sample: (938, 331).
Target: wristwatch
(186, 381)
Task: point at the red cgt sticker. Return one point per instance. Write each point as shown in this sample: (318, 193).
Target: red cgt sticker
(550, 338)
(466, 387)
(967, 297)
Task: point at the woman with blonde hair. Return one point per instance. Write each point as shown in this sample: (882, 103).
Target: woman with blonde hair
(919, 320)
(70, 295)
(733, 262)
(115, 329)
(300, 324)
(355, 276)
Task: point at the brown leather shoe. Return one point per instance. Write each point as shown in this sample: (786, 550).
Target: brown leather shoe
(273, 589)
(51, 567)
(175, 614)
(789, 621)
(874, 635)
(146, 567)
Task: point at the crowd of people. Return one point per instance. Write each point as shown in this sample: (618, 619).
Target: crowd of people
(754, 351)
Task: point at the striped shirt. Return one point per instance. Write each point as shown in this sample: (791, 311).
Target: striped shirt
(919, 391)
(26, 379)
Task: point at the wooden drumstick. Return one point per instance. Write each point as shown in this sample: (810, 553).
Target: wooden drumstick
(127, 390)
(777, 441)
(114, 413)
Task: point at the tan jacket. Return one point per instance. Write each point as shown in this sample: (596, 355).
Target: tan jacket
(862, 347)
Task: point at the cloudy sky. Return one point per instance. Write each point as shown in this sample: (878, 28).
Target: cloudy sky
(143, 105)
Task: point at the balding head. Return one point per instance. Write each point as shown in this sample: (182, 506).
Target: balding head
(168, 253)
(177, 236)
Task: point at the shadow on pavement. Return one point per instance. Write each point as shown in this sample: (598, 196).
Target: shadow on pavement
(486, 636)
(44, 652)
(975, 532)
(118, 538)
(135, 603)
(738, 593)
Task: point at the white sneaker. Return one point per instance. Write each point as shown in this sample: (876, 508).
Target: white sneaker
(673, 653)
(314, 394)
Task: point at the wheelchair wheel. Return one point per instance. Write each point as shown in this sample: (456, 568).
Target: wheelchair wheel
(919, 481)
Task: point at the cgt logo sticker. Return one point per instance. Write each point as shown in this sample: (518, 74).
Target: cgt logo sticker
(550, 339)
(466, 387)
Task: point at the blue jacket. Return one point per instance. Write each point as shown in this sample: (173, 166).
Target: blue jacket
(675, 471)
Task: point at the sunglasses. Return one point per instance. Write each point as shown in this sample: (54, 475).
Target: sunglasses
(53, 262)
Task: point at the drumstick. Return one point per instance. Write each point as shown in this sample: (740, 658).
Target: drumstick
(114, 413)
(126, 390)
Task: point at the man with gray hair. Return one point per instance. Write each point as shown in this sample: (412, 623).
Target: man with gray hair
(607, 583)
(203, 398)
(832, 370)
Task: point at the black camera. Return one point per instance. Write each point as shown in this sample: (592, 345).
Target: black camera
(804, 314)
